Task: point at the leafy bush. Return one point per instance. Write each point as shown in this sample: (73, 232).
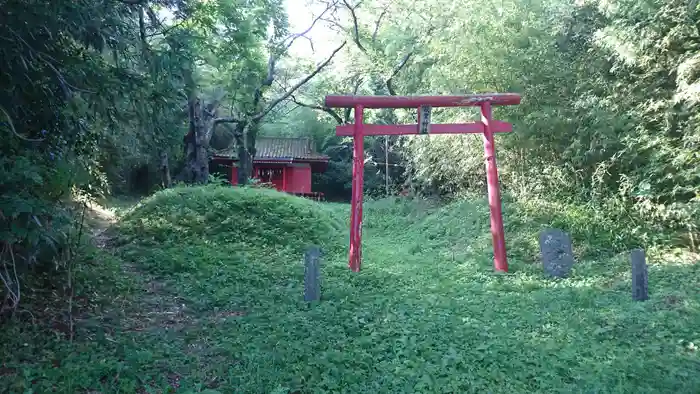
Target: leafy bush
(596, 233)
(221, 214)
(37, 220)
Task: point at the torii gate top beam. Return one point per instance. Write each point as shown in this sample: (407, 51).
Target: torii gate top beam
(470, 100)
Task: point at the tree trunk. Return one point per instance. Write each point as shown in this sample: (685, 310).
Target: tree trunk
(165, 170)
(196, 161)
(196, 141)
(246, 151)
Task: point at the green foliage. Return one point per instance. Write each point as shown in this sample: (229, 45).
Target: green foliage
(609, 96)
(606, 147)
(38, 231)
(223, 214)
(426, 313)
(98, 101)
(58, 120)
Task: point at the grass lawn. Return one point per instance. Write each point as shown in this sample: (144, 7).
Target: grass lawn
(201, 289)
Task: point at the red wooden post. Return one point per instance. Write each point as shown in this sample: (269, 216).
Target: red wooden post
(488, 126)
(358, 169)
(500, 262)
(284, 178)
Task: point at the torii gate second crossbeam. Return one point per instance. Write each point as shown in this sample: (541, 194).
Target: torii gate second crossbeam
(487, 127)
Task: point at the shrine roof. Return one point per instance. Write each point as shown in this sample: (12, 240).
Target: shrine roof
(279, 148)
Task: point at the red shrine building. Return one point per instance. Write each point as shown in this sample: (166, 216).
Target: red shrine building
(284, 163)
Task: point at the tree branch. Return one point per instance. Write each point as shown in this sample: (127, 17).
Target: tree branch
(153, 17)
(356, 88)
(397, 69)
(257, 96)
(142, 31)
(323, 108)
(311, 44)
(272, 61)
(225, 119)
(11, 126)
(356, 26)
(376, 24)
(345, 119)
(305, 32)
(335, 25)
(270, 78)
(166, 30)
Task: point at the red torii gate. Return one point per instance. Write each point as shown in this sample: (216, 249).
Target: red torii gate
(424, 104)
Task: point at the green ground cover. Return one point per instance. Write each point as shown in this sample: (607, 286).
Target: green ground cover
(200, 289)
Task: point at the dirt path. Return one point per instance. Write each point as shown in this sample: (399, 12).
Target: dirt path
(99, 220)
(158, 309)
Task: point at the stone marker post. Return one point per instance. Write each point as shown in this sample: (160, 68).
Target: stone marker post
(312, 274)
(557, 253)
(640, 275)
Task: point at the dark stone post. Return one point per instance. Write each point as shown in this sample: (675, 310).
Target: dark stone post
(312, 274)
(557, 253)
(640, 275)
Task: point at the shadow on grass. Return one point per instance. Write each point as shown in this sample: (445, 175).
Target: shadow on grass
(426, 314)
(509, 333)
(400, 325)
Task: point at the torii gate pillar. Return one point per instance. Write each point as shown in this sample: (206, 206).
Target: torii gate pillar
(487, 127)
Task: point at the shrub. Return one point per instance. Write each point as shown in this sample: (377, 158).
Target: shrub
(224, 214)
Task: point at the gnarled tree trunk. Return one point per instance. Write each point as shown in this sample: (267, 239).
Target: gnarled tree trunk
(165, 170)
(203, 121)
(196, 168)
(245, 141)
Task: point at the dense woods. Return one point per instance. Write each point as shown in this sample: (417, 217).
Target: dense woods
(124, 97)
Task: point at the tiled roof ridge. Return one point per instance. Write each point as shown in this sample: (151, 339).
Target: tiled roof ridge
(271, 147)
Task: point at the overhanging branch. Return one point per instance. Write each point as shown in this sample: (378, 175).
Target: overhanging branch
(356, 25)
(378, 23)
(313, 23)
(274, 57)
(294, 88)
(226, 119)
(397, 69)
(356, 88)
(323, 108)
(345, 119)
